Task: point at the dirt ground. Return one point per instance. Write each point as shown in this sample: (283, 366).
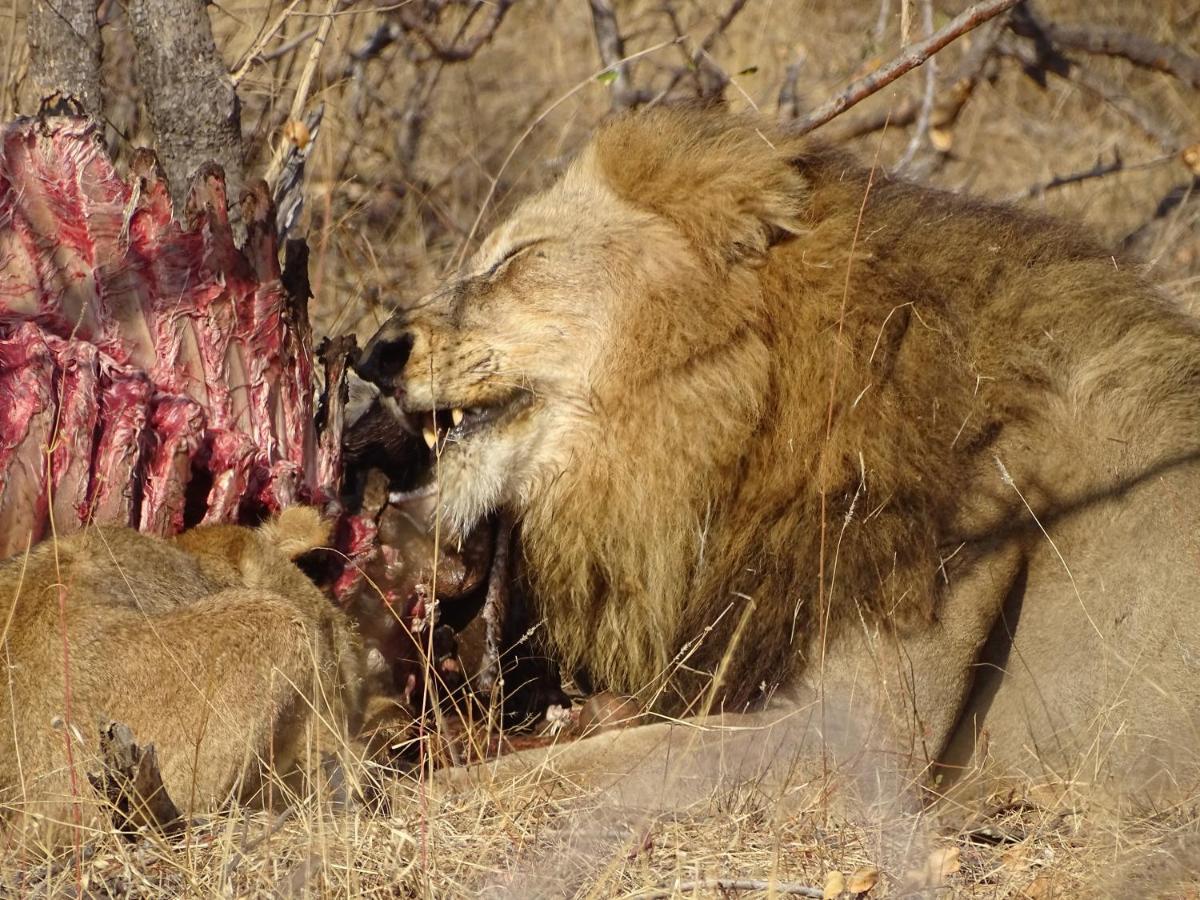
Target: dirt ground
(415, 158)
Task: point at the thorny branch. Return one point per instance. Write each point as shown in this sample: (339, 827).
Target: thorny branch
(916, 55)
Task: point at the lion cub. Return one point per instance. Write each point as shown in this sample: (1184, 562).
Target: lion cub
(213, 646)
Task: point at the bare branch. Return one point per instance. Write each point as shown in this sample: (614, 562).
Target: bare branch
(917, 54)
(881, 22)
(956, 91)
(1101, 169)
(713, 79)
(1171, 204)
(455, 52)
(64, 50)
(709, 78)
(611, 46)
(1037, 64)
(926, 112)
(789, 103)
(1139, 50)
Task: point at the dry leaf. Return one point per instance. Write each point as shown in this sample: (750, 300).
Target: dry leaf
(941, 139)
(296, 132)
(863, 880)
(942, 863)
(1191, 158)
(1041, 888)
(834, 885)
(1015, 857)
(939, 866)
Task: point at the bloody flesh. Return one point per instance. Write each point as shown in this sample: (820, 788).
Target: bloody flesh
(152, 373)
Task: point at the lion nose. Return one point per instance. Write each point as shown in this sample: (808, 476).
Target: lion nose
(383, 359)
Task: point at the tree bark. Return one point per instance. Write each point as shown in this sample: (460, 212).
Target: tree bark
(64, 51)
(191, 99)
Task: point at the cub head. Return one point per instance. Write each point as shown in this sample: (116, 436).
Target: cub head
(586, 308)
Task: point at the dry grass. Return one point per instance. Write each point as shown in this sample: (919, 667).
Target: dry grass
(389, 215)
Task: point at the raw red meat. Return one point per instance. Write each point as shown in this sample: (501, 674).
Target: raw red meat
(151, 372)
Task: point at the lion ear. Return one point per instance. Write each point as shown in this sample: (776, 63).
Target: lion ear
(728, 183)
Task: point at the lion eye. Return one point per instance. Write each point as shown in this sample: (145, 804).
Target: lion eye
(513, 252)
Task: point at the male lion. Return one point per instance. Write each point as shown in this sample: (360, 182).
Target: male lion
(776, 428)
(213, 646)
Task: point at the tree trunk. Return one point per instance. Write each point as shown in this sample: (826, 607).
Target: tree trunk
(191, 99)
(64, 51)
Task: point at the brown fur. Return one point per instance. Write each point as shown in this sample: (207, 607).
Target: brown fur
(212, 646)
(786, 418)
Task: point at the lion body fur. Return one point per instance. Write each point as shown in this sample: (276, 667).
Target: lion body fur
(212, 646)
(789, 419)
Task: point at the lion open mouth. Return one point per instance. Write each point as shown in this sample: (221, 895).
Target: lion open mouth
(441, 427)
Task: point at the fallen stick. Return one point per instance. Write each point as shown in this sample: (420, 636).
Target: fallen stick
(914, 56)
(132, 782)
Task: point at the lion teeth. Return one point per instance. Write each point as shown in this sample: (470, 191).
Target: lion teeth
(430, 437)
(456, 416)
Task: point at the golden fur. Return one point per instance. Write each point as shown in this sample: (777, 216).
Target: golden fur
(213, 646)
(790, 423)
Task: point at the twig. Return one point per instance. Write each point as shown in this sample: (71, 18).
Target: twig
(732, 884)
(958, 88)
(286, 47)
(495, 606)
(1035, 62)
(375, 43)
(1175, 199)
(917, 54)
(253, 55)
(710, 79)
(713, 80)
(455, 52)
(881, 22)
(611, 47)
(926, 113)
(1135, 48)
(788, 104)
(1099, 170)
(302, 88)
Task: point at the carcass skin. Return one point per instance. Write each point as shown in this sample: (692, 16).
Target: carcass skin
(152, 373)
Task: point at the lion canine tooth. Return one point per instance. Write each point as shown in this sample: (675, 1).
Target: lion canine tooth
(456, 416)
(430, 437)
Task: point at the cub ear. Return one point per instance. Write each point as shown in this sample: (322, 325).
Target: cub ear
(296, 530)
(727, 182)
